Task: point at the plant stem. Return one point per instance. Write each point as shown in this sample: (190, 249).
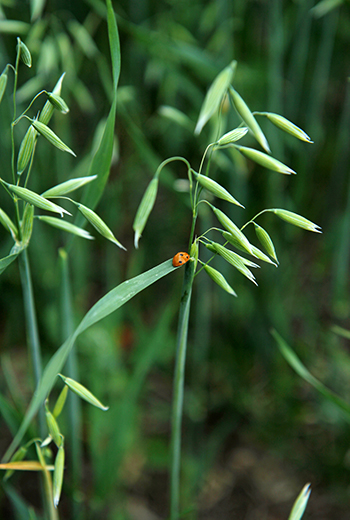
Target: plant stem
(179, 379)
(74, 404)
(31, 325)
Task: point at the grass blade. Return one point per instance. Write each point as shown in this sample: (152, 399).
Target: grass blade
(303, 372)
(105, 306)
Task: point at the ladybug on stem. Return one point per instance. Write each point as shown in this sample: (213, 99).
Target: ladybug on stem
(180, 259)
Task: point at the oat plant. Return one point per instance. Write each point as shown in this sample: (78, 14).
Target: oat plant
(226, 240)
(49, 207)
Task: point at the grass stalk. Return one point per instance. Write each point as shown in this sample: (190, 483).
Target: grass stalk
(31, 326)
(72, 370)
(178, 394)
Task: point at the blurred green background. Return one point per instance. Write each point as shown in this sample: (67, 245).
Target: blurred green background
(254, 432)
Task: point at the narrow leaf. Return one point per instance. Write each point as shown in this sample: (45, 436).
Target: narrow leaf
(293, 360)
(105, 306)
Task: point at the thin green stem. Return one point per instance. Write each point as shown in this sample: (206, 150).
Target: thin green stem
(179, 379)
(31, 326)
(74, 403)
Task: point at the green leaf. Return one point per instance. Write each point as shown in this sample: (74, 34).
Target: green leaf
(113, 43)
(324, 7)
(7, 260)
(214, 96)
(109, 303)
(300, 503)
(101, 161)
(291, 358)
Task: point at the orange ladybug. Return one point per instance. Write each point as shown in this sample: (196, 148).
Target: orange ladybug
(180, 259)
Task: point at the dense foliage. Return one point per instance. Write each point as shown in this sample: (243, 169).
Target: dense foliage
(254, 431)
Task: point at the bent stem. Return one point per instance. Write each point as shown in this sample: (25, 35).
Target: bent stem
(179, 379)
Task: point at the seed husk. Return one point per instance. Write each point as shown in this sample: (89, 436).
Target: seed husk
(96, 221)
(26, 149)
(265, 160)
(214, 95)
(144, 209)
(232, 228)
(247, 117)
(287, 126)
(66, 226)
(35, 199)
(83, 392)
(232, 136)
(266, 241)
(68, 186)
(296, 220)
(46, 132)
(219, 279)
(216, 189)
(58, 473)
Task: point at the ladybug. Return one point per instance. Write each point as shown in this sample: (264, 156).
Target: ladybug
(180, 259)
